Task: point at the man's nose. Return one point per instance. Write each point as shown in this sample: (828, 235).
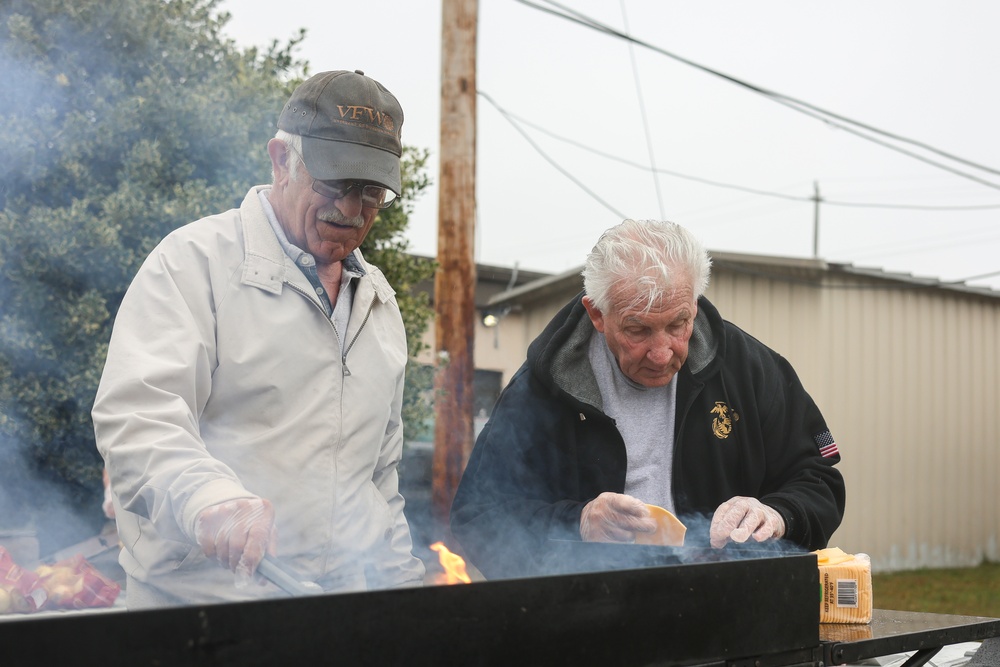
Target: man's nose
(660, 352)
(350, 204)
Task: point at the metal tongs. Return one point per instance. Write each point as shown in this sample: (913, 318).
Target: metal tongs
(287, 579)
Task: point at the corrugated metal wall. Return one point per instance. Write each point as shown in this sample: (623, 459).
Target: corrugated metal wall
(907, 379)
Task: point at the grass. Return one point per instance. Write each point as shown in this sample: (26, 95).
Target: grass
(972, 591)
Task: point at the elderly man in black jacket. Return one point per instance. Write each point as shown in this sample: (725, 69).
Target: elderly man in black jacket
(638, 393)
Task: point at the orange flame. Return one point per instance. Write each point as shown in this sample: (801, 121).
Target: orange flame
(453, 564)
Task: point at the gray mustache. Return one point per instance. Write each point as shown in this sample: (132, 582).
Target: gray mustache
(339, 218)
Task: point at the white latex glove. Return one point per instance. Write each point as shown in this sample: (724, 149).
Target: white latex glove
(739, 518)
(615, 517)
(237, 533)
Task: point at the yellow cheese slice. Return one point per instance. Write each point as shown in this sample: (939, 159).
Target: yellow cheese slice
(669, 530)
(832, 556)
(846, 583)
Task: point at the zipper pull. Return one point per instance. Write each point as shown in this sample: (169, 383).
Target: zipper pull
(347, 371)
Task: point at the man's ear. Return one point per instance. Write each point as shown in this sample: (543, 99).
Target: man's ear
(596, 316)
(280, 155)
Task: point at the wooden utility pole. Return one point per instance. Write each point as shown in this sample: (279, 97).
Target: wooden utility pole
(455, 283)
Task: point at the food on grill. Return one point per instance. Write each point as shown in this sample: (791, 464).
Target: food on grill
(12, 601)
(74, 583)
(61, 583)
(669, 530)
(22, 590)
(846, 582)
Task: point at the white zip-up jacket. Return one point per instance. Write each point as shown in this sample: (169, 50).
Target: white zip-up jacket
(225, 379)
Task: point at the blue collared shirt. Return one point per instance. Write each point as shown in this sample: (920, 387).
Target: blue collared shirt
(352, 269)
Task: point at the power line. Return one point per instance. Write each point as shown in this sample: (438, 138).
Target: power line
(893, 282)
(582, 19)
(517, 122)
(979, 277)
(514, 119)
(642, 111)
(798, 105)
(923, 244)
(551, 161)
(913, 207)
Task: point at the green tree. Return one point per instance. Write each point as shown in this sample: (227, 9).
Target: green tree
(385, 247)
(120, 120)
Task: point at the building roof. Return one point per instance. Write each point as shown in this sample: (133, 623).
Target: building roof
(490, 280)
(771, 266)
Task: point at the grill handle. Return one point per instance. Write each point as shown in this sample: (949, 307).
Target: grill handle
(287, 579)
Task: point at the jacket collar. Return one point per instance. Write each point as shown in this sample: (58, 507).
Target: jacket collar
(705, 339)
(267, 267)
(558, 357)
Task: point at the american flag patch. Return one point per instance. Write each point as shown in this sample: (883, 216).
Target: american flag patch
(827, 445)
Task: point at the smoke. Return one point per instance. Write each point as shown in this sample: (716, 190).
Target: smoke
(33, 106)
(50, 483)
(572, 556)
(38, 502)
(49, 468)
(697, 537)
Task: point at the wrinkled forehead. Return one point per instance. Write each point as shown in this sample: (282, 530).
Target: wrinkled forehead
(651, 293)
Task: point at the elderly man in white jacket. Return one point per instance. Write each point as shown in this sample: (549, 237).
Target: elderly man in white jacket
(250, 403)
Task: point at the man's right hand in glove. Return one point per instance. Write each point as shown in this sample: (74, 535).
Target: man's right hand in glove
(615, 517)
(237, 533)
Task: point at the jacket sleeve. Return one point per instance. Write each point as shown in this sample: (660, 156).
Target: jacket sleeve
(802, 482)
(156, 381)
(516, 491)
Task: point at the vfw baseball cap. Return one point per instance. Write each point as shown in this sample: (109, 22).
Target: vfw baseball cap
(350, 127)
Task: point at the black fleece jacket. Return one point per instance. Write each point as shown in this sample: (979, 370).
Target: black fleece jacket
(744, 426)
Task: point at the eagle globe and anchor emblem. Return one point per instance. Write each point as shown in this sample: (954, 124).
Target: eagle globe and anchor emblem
(722, 425)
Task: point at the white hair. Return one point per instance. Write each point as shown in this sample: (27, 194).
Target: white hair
(294, 142)
(635, 264)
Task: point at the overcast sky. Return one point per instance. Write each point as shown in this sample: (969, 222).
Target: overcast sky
(598, 113)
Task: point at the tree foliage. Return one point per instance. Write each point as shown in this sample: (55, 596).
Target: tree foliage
(385, 247)
(121, 120)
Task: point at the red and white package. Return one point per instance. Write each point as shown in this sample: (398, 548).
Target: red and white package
(21, 590)
(74, 583)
